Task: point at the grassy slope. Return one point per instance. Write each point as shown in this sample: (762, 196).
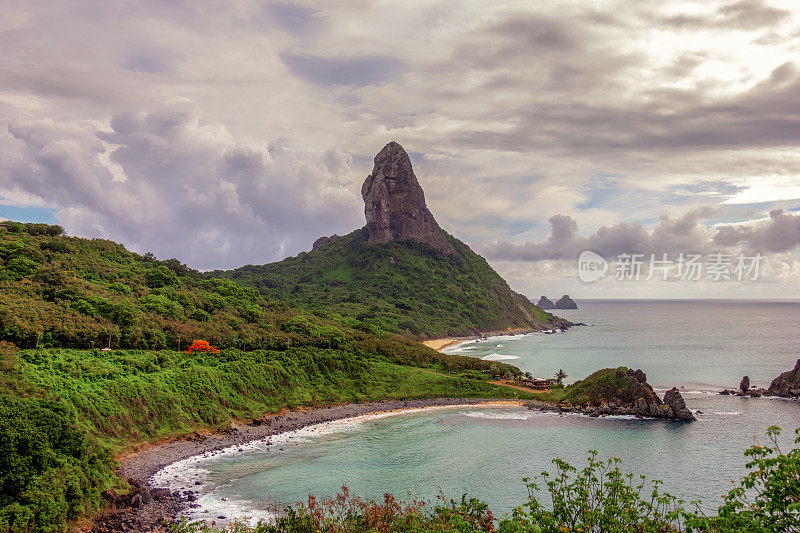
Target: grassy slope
(127, 396)
(403, 287)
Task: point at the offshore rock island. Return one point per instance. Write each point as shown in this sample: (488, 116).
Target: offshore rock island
(565, 302)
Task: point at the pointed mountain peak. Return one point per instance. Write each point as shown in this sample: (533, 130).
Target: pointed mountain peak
(394, 203)
(393, 150)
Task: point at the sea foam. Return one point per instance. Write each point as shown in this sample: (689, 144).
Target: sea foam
(498, 357)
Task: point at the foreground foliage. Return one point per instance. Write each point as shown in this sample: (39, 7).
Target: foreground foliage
(599, 498)
(49, 470)
(767, 498)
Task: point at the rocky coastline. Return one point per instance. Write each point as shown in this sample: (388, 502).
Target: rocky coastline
(786, 385)
(672, 408)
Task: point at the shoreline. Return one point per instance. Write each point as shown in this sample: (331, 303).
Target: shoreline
(442, 343)
(142, 465)
(153, 508)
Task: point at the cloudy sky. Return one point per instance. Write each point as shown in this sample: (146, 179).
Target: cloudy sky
(226, 133)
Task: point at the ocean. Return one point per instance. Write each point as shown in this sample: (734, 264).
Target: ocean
(699, 346)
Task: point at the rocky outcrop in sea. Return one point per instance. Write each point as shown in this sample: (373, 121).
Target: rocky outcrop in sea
(394, 203)
(545, 303)
(786, 385)
(634, 397)
(565, 302)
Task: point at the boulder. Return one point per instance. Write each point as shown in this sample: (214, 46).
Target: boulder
(676, 402)
(136, 501)
(322, 241)
(394, 203)
(160, 494)
(744, 385)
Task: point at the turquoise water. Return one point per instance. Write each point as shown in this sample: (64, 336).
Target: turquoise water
(697, 344)
(486, 451)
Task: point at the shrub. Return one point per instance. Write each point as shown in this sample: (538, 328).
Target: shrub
(600, 497)
(49, 471)
(160, 276)
(121, 288)
(158, 303)
(16, 227)
(201, 315)
(55, 245)
(22, 267)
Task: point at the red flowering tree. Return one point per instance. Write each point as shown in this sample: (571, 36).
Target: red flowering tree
(201, 346)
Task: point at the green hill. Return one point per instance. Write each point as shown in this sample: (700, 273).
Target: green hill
(399, 286)
(401, 272)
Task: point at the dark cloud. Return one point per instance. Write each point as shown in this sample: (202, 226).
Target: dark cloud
(780, 234)
(767, 115)
(149, 60)
(742, 15)
(293, 17)
(353, 71)
(671, 235)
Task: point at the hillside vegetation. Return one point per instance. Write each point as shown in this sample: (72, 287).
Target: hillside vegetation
(400, 286)
(66, 406)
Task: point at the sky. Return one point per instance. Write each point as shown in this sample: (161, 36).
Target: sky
(231, 133)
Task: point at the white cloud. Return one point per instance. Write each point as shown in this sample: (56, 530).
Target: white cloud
(763, 189)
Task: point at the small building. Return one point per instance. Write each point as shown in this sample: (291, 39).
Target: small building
(536, 383)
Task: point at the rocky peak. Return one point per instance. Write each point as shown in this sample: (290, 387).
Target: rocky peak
(394, 203)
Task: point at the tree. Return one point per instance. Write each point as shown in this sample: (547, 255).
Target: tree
(560, 376)
(160, 276)
(199, 345)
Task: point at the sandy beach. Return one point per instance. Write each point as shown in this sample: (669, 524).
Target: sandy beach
(441, 344)
(445, 342)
